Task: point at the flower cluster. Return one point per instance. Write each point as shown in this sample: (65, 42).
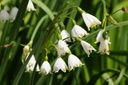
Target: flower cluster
(60, 64)
(77, 33)
(62, 49)
(4, 15)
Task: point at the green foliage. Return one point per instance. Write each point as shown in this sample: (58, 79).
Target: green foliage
(39, 30)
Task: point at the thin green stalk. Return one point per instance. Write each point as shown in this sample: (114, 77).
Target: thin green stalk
(50, 80)
(120, 76)
(37, 26)
(95, 77)
(104, 14)
(76, 74)
(45, 8)
(108, 79)
(4, 34)
(117, 60)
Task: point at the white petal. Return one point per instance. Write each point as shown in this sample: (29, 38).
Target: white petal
(31, 64)
(26, 50)
(99, 37)
(62, 48)
(94, 19)
(87, 47)
(73, 62)
(4, 16)
(65, 35)
(13, 14)
(45, 67)
(90, 20)
(30, 6)
(104, 48)
(78, 31)
(60, 64)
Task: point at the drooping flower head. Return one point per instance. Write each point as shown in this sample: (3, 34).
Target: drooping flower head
(87, 47)
(62, 48)
(13, 14)
(64, 34)
(90, 20)
(26, 50)
(4, 16)
(31, 64)
(46, 67)
(30, 6)
(103, 39)
(59, 65)
(78, 31)
(73, 62)
(103, 47)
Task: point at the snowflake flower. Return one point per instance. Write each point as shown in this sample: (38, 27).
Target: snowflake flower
(31, 64)
(45, 67)
(73, 62)
(60, 65)
(64, 34)
(4, 16)
(87, 47)
(30, 6)
(62, 48)
(78, 31)
(90, 20)
(103, 47)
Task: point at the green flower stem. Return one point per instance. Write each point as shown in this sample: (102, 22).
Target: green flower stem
(73, 21)
(37, 26)
(97, 76)
(117, 60)
(5, 33)
(45, 8)
(108, 79)
(120, 76)
(104, 15)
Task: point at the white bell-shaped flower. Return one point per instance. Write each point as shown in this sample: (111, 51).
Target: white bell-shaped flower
(26, 50)
(90, 20)
(99, 37)
(62, 48)
(103, 47)
(87, 47)
(31, 64)
(64, 34)
(78, 31)
(103, 42)
(73, 62)
(46, 67)
(13, 14)
(30, 6)
(4, 16)
(59, 65)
